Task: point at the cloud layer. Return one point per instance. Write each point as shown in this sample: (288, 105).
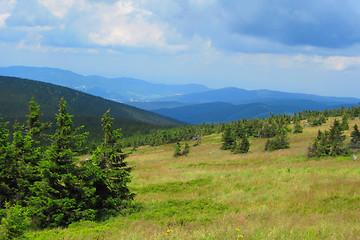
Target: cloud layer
(192, 39)
(176, 25)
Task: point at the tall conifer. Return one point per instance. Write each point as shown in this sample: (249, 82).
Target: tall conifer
(110, 172)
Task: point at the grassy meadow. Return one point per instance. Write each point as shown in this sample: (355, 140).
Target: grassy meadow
(214, 194)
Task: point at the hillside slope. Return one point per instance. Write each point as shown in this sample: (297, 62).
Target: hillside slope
(15, 93)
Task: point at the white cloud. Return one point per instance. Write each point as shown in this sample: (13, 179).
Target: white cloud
(125, 24)
(299, 61)
(56, 7)
(3, 18)
(338, 63)
(6, 7)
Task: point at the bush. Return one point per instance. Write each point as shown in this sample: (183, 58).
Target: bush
(279, 142)
(241, 146)
(298, 128)
(15, 221)
(329, 143)
(355, 137)
(181, 151)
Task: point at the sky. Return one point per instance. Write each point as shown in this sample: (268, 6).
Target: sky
(301, 46)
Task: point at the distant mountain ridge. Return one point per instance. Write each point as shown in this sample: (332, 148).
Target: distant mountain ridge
(241, 96)
(117, 89)
(191, 103)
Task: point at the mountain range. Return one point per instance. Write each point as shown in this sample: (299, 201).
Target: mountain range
(190, 103)
(118, 89)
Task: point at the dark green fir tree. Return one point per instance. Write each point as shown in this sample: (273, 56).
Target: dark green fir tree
(227, 138)
(110, 173)
(241, 146)
(59, 198)
(355, 137)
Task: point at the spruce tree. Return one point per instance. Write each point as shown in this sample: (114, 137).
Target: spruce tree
(355, 137)
(329, 143)
(110, 173)
(227, 138)
(59, 198)
(337, 140)
(321, 145)
(186, 150)
(279, 142)
(242, 146)
(35, 128)
(8, 168)
(297, 128)
(345, 122)
(25, 157)
(178, 151)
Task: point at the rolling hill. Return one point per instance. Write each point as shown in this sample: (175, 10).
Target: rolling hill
(15, 93)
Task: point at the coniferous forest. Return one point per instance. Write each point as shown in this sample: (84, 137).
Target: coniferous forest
(45, 185)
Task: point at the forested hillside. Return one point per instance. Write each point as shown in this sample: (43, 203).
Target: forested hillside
(15, 94)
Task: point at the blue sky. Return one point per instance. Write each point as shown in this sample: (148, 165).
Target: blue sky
(296, 46)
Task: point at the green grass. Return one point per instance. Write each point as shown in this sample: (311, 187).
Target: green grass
(213, 194)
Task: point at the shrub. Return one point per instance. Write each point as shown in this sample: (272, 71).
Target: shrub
(329, 143)
(298, 128)
(279, 142)
(15, 221)
(241, 146)
(181, 151)
(355, 137)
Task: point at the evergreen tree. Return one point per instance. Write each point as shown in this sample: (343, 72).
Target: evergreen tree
(345, 122)
(8, 167)
(297, 128)
(181, 151)
(19, 161)
(337, 139)
(279, 142)
(186, 149)
(321, 145)
(355, 137)
(26, 158)
(177, 150)
(242, 146)
(329, 143)
(110, 173)
(227, 138)
(58, 198)
(35, 128)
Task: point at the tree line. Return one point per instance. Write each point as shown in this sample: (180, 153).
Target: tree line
(276, 129)
(255, 127)
(236, 134)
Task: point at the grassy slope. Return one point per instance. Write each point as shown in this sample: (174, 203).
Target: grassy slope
(213, 194)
